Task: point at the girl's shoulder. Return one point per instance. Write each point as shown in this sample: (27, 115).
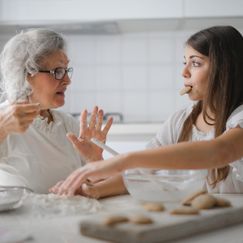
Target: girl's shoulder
(236, 118)
(180, 116)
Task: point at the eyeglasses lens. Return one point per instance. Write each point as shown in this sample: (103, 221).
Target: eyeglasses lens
(60, 73)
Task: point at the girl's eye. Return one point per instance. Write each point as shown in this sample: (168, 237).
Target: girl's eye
(196, 64)
(184, 63)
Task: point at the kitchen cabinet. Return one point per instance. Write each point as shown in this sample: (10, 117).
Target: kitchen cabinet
(76, 11)
(116, 16)
(215, 8)
(46, 11)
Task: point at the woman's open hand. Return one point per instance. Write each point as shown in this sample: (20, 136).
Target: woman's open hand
(87, 149)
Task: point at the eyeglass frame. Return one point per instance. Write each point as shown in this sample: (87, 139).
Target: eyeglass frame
(53, 72)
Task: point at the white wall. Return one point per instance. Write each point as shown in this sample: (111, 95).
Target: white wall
(135, 74)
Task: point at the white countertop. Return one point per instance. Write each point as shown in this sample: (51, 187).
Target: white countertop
(133, 131)
(63, 229)
(126, 137)
(134, 128)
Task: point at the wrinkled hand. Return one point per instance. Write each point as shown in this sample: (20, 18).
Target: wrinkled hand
(111, 186)
(16, 118)
(87, 149)
(87, 175)
(86, 189)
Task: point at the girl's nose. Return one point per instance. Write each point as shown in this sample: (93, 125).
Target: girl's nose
(185, 72)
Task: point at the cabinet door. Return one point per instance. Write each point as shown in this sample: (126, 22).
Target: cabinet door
(213, 8)
(45, 11)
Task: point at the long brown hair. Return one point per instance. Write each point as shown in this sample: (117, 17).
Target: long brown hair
(224, 47)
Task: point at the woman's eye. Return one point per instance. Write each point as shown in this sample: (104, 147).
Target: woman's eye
(196, 64)
(184, 63)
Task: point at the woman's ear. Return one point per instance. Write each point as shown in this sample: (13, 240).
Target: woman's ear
(29, 78)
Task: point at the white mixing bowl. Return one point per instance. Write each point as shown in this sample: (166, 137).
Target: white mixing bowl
(163, 185)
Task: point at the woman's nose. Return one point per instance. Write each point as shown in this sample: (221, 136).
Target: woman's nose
(185, 72)
(66, 79)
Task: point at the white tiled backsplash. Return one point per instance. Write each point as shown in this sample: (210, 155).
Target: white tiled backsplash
(136, 74)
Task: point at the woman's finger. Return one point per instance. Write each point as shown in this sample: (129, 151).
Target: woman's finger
(107, 126)
(78, 181)
(27, 108)
(83, 123)
(66, 186)
(74, 140)
(93, 118)
(64, 189)
(99, 120)
(55, 188)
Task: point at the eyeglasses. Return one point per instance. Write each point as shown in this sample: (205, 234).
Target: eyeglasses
(59, 72)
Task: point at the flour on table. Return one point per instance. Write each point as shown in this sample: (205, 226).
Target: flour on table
(45, 205)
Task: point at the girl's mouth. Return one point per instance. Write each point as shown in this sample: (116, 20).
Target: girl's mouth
(185, 90)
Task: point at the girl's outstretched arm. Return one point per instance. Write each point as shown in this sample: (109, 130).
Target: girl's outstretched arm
(215, 153)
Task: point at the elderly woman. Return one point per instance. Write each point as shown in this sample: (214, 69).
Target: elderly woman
(34, 149)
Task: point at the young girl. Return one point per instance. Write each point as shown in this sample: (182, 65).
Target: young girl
(208, 135)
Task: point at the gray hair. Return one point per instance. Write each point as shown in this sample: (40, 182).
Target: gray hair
(22, 55)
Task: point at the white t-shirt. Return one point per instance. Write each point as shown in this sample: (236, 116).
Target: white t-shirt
(41, 156)
(170, 132)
